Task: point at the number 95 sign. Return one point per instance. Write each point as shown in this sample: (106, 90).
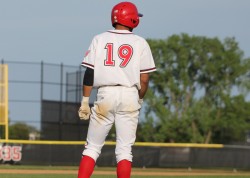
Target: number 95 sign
(10, 153)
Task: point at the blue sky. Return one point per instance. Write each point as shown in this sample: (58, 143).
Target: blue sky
(59, 31)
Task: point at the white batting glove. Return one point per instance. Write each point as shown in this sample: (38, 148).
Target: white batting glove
(84, 110)
(140, 101)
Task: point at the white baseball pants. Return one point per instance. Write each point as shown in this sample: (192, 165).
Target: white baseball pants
(119, 105)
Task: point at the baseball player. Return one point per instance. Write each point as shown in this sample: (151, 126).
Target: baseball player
(118, 63)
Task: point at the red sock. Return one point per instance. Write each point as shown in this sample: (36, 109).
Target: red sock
(86, 167)
(123, 169)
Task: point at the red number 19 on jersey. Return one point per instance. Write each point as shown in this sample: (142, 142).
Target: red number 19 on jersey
(125, 53)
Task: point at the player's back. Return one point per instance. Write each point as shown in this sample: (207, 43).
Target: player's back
(117, 58)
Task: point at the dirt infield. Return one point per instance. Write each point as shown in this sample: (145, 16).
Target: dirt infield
(136, 172)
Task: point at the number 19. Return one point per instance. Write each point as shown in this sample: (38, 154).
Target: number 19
(125, 53)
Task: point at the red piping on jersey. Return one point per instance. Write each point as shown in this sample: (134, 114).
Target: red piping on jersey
(120, 33)
(145, 70)
(87, 64)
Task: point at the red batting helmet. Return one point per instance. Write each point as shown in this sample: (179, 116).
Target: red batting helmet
(125, 13)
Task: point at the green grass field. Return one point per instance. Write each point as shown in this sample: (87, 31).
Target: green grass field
(18, 171)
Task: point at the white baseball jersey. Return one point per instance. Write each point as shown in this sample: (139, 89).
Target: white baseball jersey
(118, 57)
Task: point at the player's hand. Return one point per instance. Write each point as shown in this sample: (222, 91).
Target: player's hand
(140, 101)
(84, 110)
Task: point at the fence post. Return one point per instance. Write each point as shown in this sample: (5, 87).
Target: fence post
(41, 92)
(61, 102)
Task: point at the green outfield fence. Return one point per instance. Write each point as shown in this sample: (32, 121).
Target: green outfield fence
(162, 155)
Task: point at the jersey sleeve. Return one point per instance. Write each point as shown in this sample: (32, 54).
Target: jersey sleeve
(147, 63)
(89, 57)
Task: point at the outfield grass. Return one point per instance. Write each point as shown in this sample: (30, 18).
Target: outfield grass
(20, 171)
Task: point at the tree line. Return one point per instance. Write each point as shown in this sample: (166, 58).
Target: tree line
(198, 93)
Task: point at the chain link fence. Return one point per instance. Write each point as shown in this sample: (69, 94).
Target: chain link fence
(47, 96)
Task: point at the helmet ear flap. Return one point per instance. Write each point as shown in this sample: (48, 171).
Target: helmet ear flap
(134, 22)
